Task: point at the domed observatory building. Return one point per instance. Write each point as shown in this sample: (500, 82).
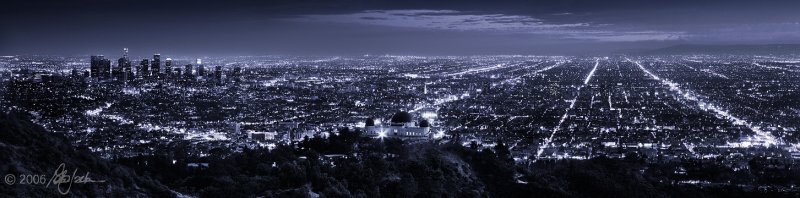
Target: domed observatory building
(401, 125)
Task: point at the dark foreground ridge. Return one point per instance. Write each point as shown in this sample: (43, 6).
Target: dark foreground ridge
(388, 167)
(27, 149)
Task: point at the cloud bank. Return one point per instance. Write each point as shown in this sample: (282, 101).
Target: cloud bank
(454, 20)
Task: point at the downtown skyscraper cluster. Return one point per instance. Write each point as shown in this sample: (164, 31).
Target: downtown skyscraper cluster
(150, 69)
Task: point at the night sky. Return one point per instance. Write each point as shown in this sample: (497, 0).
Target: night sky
(414, 27)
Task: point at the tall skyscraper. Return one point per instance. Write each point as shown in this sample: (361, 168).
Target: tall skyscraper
(100, 67)
(106, 68)
(124, 67)
(144, 68)
(128, 67)
(94, 67)
(116, 72)
(188, 71)
(156, 66)
(218, 74)
(201, 70)
(168, 67)
(237, 73)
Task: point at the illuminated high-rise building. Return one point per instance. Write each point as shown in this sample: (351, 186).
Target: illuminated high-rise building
(168, 67)
(236, 75)
(155, 67)
(201, 70)
(116, 72)
(124, 72)
(106, 68)
(218, 74)
(144, 68)
(95, 66)
(188, 71)
(100, 67)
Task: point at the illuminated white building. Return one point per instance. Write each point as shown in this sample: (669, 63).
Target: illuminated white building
(401, 125)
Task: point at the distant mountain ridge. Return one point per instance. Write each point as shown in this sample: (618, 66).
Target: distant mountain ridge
(768, 49)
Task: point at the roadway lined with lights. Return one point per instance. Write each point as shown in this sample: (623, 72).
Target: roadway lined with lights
(566, 112)
(774, 67)
(762, 137)
(535, 72)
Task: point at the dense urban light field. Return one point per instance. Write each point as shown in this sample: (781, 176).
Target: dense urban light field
(673, 112)
(544, 106)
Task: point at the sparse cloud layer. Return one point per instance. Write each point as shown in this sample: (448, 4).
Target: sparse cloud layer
(422, 27)
(497, 23)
